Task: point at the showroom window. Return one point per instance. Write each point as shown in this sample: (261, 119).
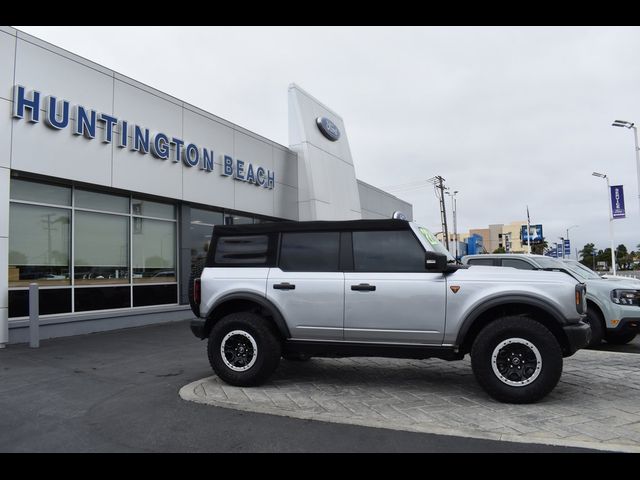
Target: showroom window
(89, 250)
(200, 230)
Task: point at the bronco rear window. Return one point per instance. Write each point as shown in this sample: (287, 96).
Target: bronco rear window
(247, 250)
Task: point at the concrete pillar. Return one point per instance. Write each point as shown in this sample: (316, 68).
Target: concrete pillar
(327, 185)
(184, 222)
(4, 256)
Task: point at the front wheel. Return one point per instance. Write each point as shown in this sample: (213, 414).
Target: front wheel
(597, 328)
(516, 360)
(243, 349)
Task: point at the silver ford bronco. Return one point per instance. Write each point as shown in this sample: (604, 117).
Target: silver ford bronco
(385, 288)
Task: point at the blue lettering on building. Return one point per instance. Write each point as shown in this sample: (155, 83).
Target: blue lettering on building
(55, 118)
(207, 160)
(191, 155)
(227, 166)
(21, 102)
(160, 146)
(84, 122)
(123, 138)
(140, 139)
(178, 143)
(250, 176)
(109, 122)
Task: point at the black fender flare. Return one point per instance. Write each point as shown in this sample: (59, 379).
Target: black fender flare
(505, 300)
(266, 304)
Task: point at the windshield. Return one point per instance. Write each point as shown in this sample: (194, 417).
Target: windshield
(548, 262)
(435, 244)
(583, 272)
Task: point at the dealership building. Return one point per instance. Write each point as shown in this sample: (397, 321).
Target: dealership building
(109, 189)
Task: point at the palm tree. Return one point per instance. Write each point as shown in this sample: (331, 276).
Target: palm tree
(539, 248)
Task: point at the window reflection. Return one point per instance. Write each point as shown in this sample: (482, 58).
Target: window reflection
(101, 249)
(154, 251)
(39, 244)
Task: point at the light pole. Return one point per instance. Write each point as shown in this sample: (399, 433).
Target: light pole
(572, 226)
(613, 258)
(455, 220)
(624, 123)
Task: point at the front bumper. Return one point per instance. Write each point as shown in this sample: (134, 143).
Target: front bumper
(578, 336)
(197, 327)
(627, 325)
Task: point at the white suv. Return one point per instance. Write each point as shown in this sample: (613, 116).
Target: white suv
(613, 307)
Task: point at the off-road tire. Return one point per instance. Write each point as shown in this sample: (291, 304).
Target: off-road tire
(266, 340)
(619, 338)
(597, 328)
(516, 327)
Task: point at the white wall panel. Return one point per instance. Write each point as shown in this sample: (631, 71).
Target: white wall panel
(138, 106)
(52, 74)
(7, 57)
(285, 202)
(59, 153)
(199, 186)
(5, 133)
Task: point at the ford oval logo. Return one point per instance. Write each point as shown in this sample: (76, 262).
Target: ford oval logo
(328, 128)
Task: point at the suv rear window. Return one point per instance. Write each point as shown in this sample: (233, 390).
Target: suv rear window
(487, 262)
(249, 250)
(310, 252)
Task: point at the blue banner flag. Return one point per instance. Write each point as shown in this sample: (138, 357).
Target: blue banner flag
(617, 201)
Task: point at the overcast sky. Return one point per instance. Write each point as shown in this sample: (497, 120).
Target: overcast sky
(509, 116)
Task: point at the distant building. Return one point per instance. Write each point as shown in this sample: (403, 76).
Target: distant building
(487, 240)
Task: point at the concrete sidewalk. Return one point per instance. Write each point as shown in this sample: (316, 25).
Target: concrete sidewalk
(595, 405)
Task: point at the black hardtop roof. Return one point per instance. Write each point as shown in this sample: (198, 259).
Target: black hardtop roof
(314, 226)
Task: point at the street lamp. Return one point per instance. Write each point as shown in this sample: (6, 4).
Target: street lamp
(569, 228)
(455, 221)
(613, 258)
(625, 124)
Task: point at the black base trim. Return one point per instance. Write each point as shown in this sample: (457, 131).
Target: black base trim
(352, 349)
(578, 336)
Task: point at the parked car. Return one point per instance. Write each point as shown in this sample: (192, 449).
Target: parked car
(613, 306)
(385, 288)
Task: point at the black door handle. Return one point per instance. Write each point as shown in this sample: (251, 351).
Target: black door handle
(363, 287)
(284, 286)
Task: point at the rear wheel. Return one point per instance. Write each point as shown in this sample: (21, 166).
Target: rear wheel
(620, 338)
(597, 328)
(516, 360)
(244, 350)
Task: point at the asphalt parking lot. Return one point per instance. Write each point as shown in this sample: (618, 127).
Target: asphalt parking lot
(119, 392)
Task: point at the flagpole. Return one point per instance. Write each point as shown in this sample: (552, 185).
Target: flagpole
(528, 232)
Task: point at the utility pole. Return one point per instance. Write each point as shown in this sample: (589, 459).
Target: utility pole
(439, 183)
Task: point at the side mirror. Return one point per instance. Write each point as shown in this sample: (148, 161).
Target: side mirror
(435, 262)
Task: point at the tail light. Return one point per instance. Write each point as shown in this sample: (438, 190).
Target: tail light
(196, 291)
